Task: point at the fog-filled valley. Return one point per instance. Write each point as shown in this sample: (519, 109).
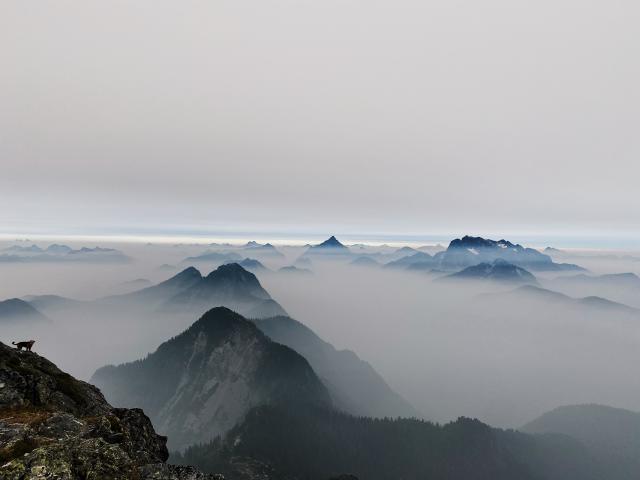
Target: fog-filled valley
(498, 350)
(225, 344)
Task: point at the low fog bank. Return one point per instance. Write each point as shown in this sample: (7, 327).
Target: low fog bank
(452, 351)
(447, 347)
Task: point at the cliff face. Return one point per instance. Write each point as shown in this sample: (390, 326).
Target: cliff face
(53, 426)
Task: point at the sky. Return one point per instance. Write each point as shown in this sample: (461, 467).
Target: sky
(290, 117)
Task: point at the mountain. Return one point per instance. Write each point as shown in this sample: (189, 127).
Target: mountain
(21, 249)
(621, 287)
(498, 271)
(51, 303)
(252, 265)
(317, 443)
(58, 249)
(424, 259)
(468, 251)
(263, 250)
(365, 262)
(54, 426)
(292, 269)
(189, 293)
(331, 242)
(62, 253)
(18, 312)
(199, 384)
(165, 267)
(611, 434)
(432, 249)
(627, 280)
(355, 387)
(331, 247)
(229, 285)
(403, 252)
(213, 257)
(160, 293)
(532, 293)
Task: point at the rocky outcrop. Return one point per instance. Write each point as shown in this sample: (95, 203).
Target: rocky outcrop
(53, 426)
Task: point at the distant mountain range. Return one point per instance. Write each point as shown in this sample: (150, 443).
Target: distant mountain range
(61, 253)
(408, 261)
(202, 382)
(534, 293)
(265, 250)
(621, 287)
(365, 261)
(213, 257)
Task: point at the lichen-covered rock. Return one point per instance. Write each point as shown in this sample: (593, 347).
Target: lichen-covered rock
(55, 427)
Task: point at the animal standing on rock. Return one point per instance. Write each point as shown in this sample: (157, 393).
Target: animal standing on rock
(26, 345)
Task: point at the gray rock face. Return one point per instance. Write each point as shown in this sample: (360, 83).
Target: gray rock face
(53, 426)
(202, 382)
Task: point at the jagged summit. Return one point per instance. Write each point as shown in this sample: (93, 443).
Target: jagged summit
(468, 251)
(478, 242)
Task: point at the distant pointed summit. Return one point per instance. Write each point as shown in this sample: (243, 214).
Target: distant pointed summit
(331, 242)
(331, 247)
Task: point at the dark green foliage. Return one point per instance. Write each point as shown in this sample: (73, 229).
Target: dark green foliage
(612, 435)
(316, 444)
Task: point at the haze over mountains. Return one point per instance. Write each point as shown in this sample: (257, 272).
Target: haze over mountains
(16, 312)
(61, 253)
(483, 329)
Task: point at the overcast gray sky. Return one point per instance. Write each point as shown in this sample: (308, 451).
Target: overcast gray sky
(395, 116)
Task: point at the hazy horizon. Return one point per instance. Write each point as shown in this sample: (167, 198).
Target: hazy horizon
(336, 117)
